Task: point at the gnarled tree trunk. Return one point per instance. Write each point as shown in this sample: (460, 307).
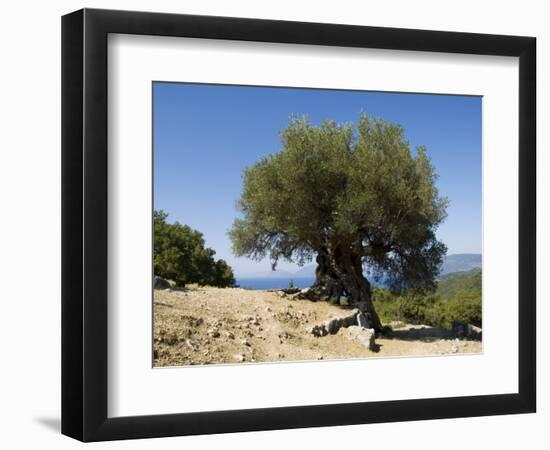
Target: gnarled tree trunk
(327, 285)
(340, 273)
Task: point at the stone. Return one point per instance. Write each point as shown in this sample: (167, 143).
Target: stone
(395, 324)
(365, 336)
(171, 339)
(474, 333)
(464, 330)
(332, 326)
(160, 283)
(214, 333)
(283, 292)
(318, 330)
(343, 322)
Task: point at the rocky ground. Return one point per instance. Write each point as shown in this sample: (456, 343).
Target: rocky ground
(205, 325)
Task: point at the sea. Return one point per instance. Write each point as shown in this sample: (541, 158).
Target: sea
(262, 284)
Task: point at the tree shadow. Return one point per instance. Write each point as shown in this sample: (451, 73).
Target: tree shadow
(427, 334)
(377, 348)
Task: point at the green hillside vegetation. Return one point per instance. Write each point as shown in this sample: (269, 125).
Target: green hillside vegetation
(453, 283)
(458, 297)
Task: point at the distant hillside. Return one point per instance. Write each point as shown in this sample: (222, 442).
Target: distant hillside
(461, 262)
(451, 284)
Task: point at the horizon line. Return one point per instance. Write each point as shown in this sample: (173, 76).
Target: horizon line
(285, 273)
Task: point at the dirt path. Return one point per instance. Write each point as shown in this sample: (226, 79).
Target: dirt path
(214, 326)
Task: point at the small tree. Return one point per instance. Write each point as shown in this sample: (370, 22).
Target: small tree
(222, 275)
(354, 200)
(180, 255)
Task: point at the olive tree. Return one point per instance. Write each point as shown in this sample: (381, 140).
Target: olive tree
(357, 199)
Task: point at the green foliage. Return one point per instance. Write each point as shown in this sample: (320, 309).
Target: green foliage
(458, 297)
(418, 308)
(386, 305)
(464, 306)
(338, 186)
(180, 255)
(291, 284)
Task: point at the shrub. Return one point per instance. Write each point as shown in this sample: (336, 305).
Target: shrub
(435, 311)
(464, 306)
(429, 309)
(417, 308)
(180, 255)
(385, 304)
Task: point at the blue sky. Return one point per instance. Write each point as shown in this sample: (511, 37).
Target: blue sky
(205, 135)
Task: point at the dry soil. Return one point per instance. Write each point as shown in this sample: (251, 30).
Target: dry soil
(206, 325)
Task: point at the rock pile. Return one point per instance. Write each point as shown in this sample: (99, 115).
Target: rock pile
(332, 326)
(289, 292)
(353, 326)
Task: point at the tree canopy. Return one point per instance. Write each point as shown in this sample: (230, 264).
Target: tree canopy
(357, 198)
(180, 255)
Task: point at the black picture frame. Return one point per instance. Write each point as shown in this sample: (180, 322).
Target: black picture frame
(84, 224)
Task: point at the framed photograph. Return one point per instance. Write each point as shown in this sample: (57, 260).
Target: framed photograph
(272, 224)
